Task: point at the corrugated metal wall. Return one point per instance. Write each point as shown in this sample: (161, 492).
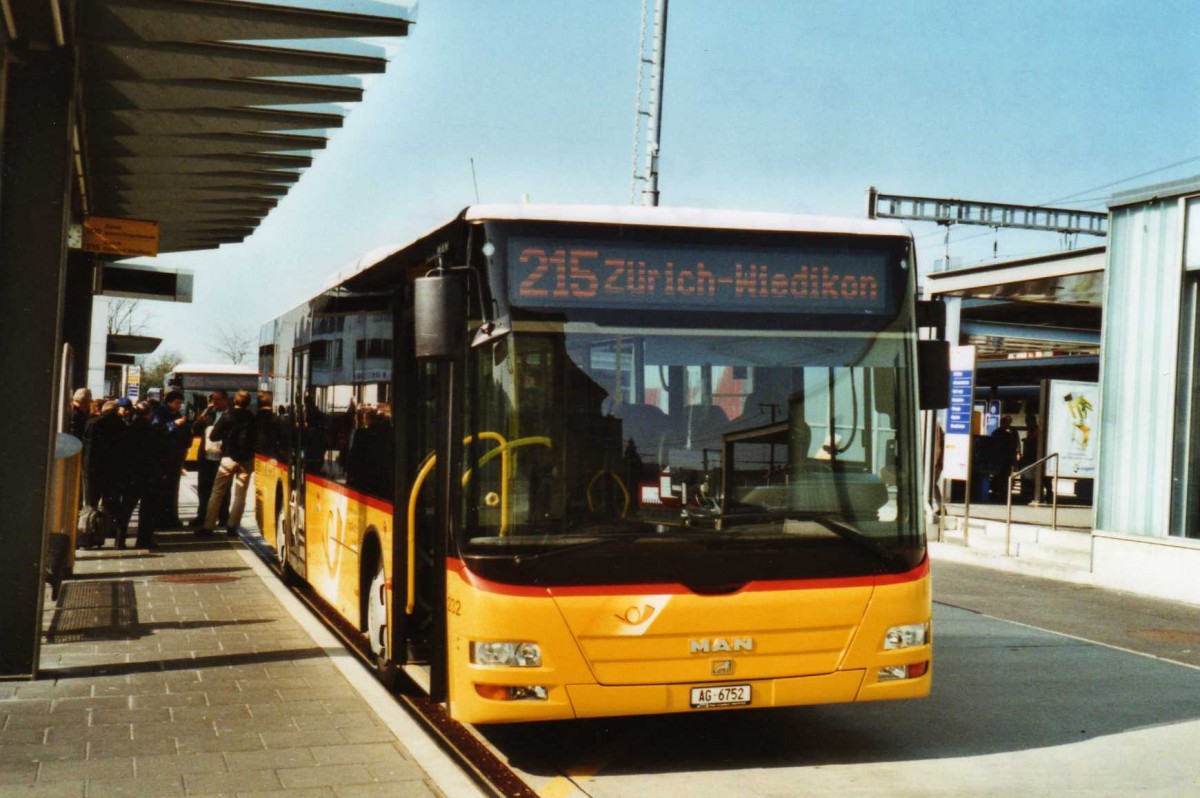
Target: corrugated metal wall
(1138, 370)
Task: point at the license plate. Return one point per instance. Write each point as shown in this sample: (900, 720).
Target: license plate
(729, 695)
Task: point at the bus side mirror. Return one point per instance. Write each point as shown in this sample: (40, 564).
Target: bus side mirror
(933, 371)
(439, 315)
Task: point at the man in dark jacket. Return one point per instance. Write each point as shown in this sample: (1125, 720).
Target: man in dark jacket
(236, 431)
(81, 412)
(178, 435)
(104, 466)
(145, 478)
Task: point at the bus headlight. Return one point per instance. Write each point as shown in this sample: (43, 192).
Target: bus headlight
(915, 634)
(518, 655)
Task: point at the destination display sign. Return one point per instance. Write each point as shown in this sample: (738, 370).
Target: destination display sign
(552, 273)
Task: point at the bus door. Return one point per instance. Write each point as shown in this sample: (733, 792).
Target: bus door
(417, 586)
(301, 400)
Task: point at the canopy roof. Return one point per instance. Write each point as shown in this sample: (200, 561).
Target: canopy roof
(187, 119)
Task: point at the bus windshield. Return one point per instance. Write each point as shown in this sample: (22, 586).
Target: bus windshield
(664, 453)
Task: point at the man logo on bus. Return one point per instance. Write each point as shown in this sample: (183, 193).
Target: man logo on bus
(720, 644)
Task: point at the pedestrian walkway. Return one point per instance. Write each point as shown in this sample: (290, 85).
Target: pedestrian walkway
(186, 671)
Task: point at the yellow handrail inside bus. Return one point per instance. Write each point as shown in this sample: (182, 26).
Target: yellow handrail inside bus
(495, 436)
(620, 484)
(503, 451)
(410, 600)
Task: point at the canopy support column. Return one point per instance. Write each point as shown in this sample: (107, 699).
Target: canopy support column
(35, 192)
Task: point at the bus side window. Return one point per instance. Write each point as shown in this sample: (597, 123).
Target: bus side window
(368, 460)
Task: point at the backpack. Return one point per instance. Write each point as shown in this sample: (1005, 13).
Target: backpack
(95, 525)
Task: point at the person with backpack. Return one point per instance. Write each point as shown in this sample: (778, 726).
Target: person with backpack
(236, 431)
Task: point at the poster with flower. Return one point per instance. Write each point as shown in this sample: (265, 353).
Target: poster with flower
(1072, 427)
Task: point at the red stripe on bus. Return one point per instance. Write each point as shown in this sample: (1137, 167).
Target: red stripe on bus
(337, 487)
(321, 482)
(673, 588)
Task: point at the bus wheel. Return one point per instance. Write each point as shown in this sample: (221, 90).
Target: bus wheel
(377, 628)
(281, 545)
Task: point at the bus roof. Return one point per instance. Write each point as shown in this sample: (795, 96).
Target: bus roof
(686, 217)
(644, 216)
(214, 368)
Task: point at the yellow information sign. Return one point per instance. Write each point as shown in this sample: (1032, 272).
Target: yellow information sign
(127, 237)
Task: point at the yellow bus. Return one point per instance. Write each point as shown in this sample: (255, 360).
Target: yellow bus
(573, 461)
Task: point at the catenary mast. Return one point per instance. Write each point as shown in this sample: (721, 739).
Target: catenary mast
(651, 65)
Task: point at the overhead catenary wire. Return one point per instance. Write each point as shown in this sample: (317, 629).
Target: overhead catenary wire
(1099, 200)
(1184, 162)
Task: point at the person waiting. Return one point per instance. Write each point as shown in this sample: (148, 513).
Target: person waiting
(236, 431)
(209, 460)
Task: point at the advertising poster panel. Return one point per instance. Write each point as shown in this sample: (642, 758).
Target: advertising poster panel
(1072, 409)
(956, 462)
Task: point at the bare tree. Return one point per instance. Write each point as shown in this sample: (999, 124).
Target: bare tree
(233, 343)
(126, 316)
(156, 368)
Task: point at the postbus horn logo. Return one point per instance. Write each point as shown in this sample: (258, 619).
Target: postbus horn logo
(635, 615)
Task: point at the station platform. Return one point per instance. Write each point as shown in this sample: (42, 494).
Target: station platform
(190, 670)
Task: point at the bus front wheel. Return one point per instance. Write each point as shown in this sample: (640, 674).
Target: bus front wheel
(377, 627)
(281, 544)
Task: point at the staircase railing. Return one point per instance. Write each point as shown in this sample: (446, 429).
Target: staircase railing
(1053, 499)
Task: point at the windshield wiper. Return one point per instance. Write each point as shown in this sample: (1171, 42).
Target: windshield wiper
(838, 527)
(852, 534)
(589, 542)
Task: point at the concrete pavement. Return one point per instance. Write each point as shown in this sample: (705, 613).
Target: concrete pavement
(185, 672)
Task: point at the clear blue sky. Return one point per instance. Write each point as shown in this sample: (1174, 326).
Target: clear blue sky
(783, 105)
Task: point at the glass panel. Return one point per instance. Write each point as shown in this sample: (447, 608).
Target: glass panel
(1185, 483)
(1191, 246)
(347, 432)
(1138, 379)
(576, 433)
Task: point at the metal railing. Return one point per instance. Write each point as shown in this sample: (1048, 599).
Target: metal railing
(1053, 500)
